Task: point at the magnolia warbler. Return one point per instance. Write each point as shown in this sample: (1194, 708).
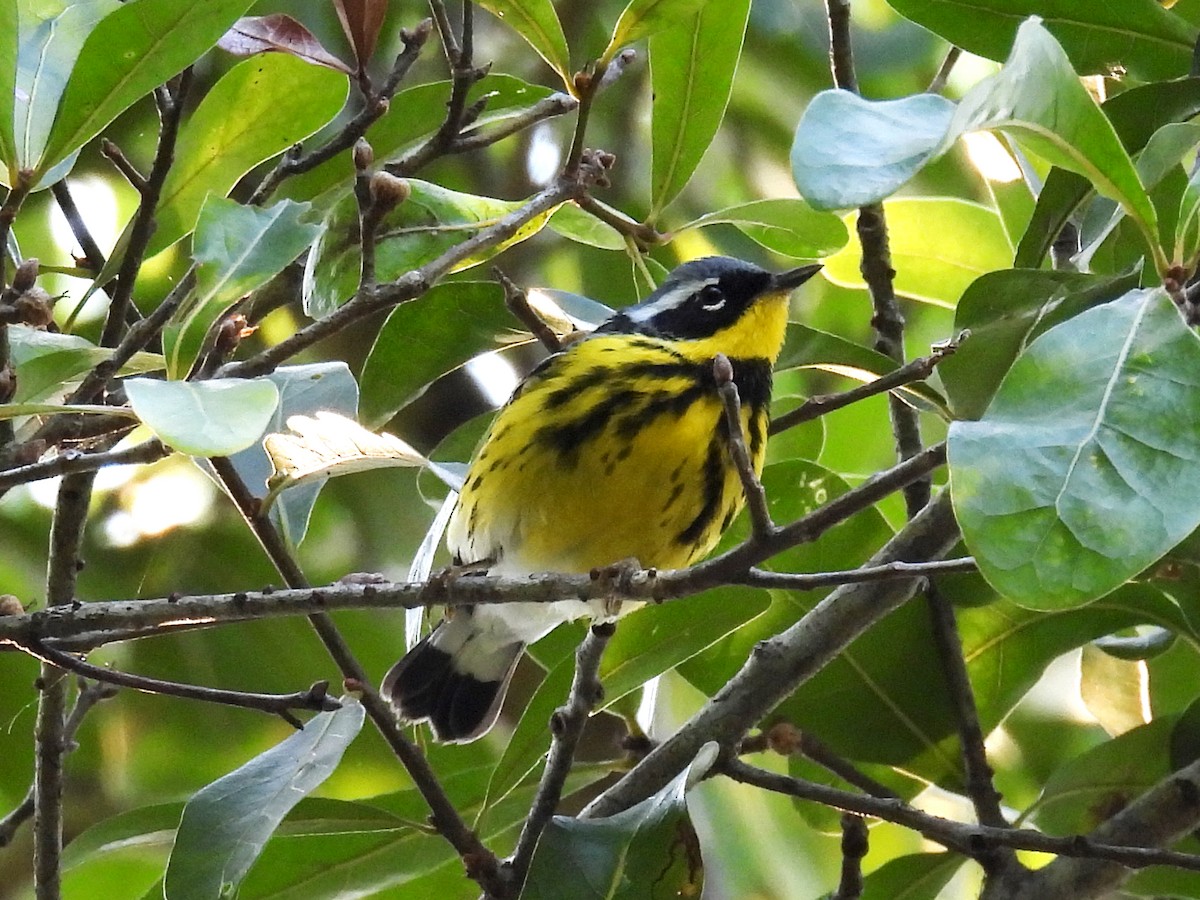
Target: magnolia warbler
(615, 448)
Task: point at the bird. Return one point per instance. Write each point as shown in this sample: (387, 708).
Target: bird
(615, 448)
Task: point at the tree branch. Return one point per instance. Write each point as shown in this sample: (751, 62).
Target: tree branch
(762, 528)
(91, 624)
(375, 105)
(779, 665)
(917, 370)
(71, 461)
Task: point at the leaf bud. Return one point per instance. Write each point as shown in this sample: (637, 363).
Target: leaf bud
(364, 154)
(388, 191)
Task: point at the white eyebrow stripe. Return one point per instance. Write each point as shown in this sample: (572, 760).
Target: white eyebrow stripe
(669, 300)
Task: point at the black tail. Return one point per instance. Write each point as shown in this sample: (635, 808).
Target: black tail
(458, 693)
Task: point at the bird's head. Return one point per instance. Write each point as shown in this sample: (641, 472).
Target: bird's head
(738, 308)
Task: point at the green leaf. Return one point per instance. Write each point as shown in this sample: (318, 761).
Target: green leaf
(51, 37)
(642, 18)
(9, 50)
(258, 109)
(1135, 114)
(148, 826)
(1004, 311)
(428, 337)
(692, 63)
(129, 53)
(919, 876)
(431, 221)
(1057, 119)
(1139, 36)
(537, 22)
(303, 390)
(1075, 479)
(237, 249)
(46, 360)
(226, 824)
(849, 151)
(582, 227)
(971, 241)
(424, 109)
(206, 418)
(1007, 647)
(789, 227)
(649, 851)
(1085, 791)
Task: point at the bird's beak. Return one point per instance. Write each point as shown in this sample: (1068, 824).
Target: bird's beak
(792, 278)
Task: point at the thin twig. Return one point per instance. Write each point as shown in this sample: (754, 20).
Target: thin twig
(786, 739)
(566, 726)
(643, 236)
(170, 102)
(316, 698)
(70, 461)
(92, 253)
(938, 84)
(808, 581)
(962, 837)
(66, 538)
(547, 108)
(841, 50)
(917, 370)
(375, 105)
(761, 525)
(855, 844)
(518, 304)
(463, 76)
(8, 214)
(980, 787)
(121, 163)
(92, 623)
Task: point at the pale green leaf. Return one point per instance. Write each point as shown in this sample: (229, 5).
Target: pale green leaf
(207, 418)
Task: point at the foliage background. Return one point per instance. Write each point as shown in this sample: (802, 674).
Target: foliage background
(142, 750)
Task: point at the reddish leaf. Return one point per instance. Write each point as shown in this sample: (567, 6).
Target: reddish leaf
(361, 20)
(281, 34)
